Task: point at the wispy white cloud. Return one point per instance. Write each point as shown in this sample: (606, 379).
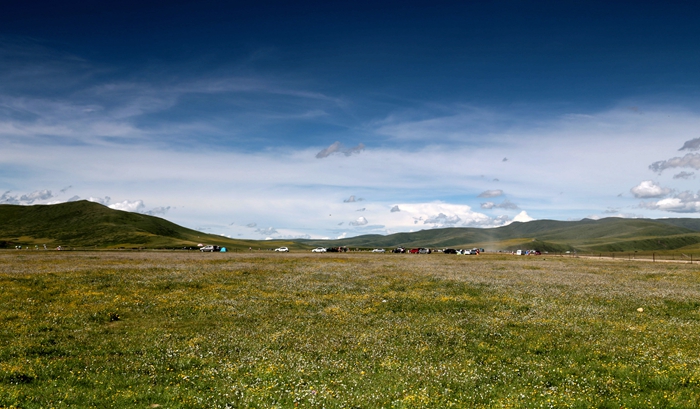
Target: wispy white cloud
(491, 193)
(506, 204)
(269, 231)
(690, 160)
(684, 175)
(337, 147)
(691, 145)
(353, 199)
(161, 210)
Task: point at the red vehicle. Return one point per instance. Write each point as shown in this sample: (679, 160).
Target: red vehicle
(414, 251)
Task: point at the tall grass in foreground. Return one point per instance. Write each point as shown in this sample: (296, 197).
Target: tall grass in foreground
(346, 331)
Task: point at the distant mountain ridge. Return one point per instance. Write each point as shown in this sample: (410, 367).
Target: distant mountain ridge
(609, 234)
(85, 224)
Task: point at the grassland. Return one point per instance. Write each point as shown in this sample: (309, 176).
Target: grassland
(191, 330)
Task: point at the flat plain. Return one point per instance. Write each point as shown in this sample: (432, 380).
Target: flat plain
(357, 330)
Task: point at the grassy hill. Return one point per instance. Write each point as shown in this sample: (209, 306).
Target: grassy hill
(610, 234)
(86, 224)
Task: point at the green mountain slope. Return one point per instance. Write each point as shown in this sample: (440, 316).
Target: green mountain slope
(88, 224)
(85, 224)
(610, 234)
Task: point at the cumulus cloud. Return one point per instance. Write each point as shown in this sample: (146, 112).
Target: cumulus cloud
(128, 206)
(103, 201)
(684, 175)
(522, 217)
(691, 145)
(395, 209)
(353, 199)
(489, 222)
(7, 198)
(361, 221)
(37, 195)
(684, 202)
(648, 189)
(491, 193)
(266, 232)
(337, 147)
(73, 199)
(443, 220)
(251, 225)
(691, 160)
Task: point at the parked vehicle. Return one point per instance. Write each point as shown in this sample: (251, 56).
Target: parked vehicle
(449, 251)
(282, 249)
(210, 248)
(414, 251)
(342, 249)
(378, 251)
(319, 250)
(399, 250)
(424, 251)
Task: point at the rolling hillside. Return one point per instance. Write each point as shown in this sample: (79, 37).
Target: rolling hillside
(85, 224)
(610, 234)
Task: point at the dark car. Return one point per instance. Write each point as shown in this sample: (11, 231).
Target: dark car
(337, 249)
(450, 251)
(399, 250)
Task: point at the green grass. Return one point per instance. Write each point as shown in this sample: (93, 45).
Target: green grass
(185, 330)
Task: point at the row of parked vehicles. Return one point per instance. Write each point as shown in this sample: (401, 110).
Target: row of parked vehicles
(424, 250)
(401, 250)
(342, 249)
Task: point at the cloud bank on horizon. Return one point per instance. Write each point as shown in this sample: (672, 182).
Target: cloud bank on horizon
(285, 119)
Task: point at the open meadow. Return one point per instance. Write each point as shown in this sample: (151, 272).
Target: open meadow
(228, 330)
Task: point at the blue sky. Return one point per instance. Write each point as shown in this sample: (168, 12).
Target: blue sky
(289, 119)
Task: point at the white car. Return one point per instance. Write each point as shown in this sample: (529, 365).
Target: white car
(378, 251)
(319, 250)
(283, 249)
